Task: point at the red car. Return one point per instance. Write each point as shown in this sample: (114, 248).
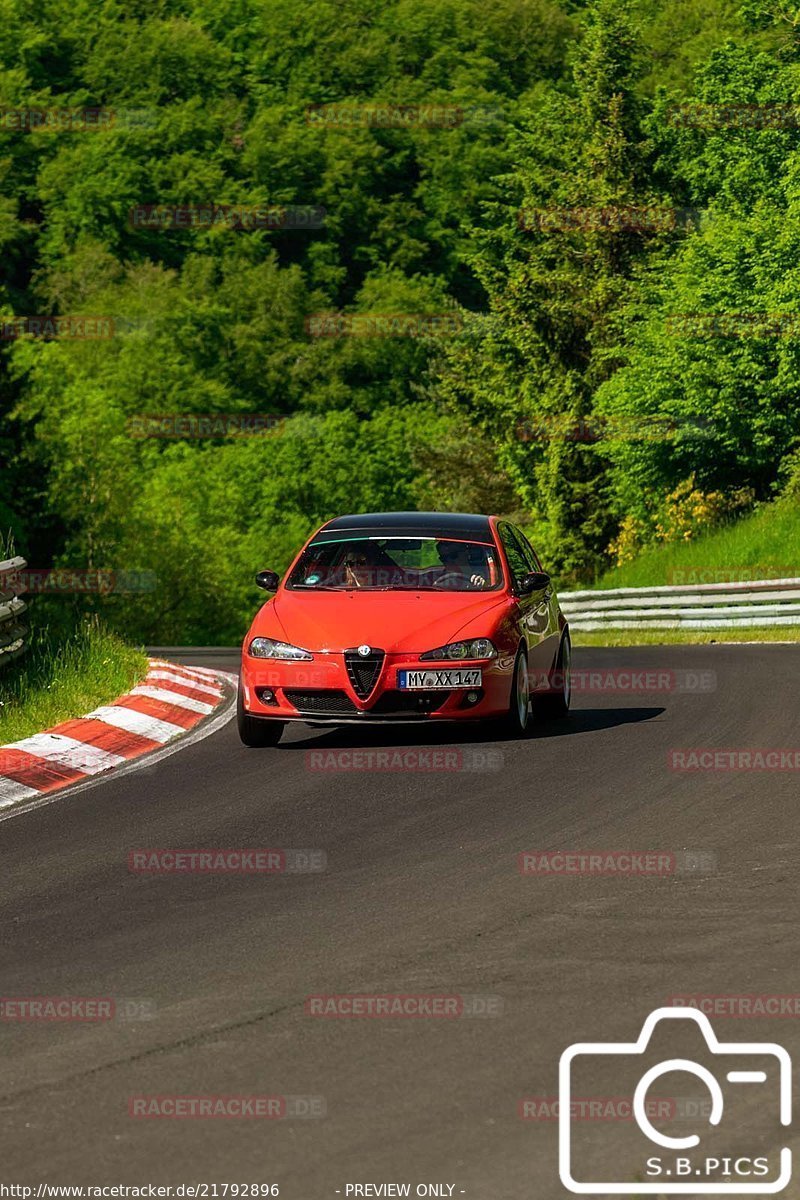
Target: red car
(387, 617)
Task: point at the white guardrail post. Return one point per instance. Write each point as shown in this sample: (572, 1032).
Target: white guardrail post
(687, 606)
(12, 631)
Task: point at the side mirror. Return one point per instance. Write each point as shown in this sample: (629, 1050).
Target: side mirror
(534, 581)
(268, 580)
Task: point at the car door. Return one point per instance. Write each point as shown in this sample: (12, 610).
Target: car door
(551, 633)
(532, 610)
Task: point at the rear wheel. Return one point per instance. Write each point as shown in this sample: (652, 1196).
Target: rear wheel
(254, 731)
(556, 703)
(519, 707)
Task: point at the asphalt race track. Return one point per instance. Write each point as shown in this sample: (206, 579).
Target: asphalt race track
(422, 895)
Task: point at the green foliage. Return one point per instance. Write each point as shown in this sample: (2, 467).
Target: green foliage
(548, 105)
(763, 545)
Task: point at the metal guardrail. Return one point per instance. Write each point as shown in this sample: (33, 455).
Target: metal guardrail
(13, 632)
(687, 606)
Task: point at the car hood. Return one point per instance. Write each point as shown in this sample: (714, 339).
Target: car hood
(393, 621)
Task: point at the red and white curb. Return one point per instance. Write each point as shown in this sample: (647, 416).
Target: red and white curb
(170, 701)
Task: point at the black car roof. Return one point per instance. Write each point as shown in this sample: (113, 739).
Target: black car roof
(411, 524)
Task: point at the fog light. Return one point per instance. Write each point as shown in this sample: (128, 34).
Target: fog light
(266, 695)
(472, 697)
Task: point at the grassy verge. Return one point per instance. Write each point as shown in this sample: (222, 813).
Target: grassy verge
(65, 676)
(764, 545)
(683, 637)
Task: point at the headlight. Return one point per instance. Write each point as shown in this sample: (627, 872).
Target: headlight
(473, 648)
(267, 648)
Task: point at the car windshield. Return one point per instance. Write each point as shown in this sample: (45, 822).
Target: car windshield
(379, 563)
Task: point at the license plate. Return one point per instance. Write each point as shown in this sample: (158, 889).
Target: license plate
(414, 681)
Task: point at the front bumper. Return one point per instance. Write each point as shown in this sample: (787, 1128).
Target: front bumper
(321, 692)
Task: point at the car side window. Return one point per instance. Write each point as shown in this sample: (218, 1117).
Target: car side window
(516, 559)
(531, 556)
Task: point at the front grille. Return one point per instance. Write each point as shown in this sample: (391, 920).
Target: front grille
(409, 702)
(363, 672)
(330, 703)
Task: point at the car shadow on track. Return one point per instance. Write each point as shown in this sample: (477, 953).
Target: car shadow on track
(583, 720)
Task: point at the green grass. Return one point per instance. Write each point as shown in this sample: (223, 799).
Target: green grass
(764, 545)
(683, 637)
(64, 676)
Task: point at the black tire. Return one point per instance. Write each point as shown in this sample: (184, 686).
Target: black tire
(254, 731)
(517, 720)
(555, 704)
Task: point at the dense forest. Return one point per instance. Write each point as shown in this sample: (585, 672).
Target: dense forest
(539, 257)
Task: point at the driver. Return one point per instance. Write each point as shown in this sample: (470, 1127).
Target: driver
(359, 566)
(368, 565)
(455, 558)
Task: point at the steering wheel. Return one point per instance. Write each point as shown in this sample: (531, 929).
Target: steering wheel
(448, 578)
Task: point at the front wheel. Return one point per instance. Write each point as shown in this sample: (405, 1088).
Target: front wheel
(515, 723)
(255, 732)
